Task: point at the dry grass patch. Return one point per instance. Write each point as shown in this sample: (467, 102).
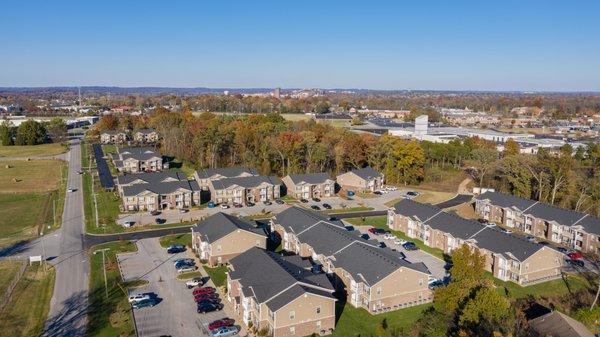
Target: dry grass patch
(32, 150)
(36, 176)
(433, 197)
(465, 210)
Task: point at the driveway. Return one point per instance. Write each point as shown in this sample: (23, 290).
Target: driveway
(175, 314)
(434, 264)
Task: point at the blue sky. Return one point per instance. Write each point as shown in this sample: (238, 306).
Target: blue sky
(454, 45)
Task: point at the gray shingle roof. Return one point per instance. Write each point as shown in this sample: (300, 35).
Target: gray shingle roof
(150, 177)
(220, 224)
(558, 324)
(544, 211)
(228, 172)
(159, 188)
(284, 282)
(296, 219)
(309, 178)
(416, 210)
(367, 173)
(246, 182)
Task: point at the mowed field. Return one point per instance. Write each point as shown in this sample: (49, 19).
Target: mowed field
(28, 190)
(32, 151)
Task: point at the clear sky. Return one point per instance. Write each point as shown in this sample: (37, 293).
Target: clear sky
(418, 44)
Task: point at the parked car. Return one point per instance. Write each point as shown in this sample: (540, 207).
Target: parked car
(377, 193)
(172, 249)
(209, 307)
(562, 250)
(205, 297)
(154, 212)
(412, 194)
(267, 203)
(201, 300)
(249, 204)
(303, 201)
(373, 230)
(316, 199)
(389, 236)
(184, 210)
(184, 260)
(576, 263)
(224, 206)
(507, 231)
(128, 224)
(225, 331)
(195, 282)
(327, 206)
(435, 284)
(279, 201)
(236, 205)
(315, 207)
(365, 236)
(350, 228)
(211, 204)
(143, 303)
(203, 290)
(399, 241)
(186, 268)
(138, 297)
(224, 322)
(160, 221)
(530, 238)
(410, 246)
(575, 256)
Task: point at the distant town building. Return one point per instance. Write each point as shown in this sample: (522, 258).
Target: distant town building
(277, 93)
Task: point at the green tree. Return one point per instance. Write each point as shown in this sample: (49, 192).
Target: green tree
(486, 305)
(511, 148)
(482, 161)
(30, 132)
(57, 129)
(6, 133)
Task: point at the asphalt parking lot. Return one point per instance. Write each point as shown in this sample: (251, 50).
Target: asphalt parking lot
(434, 264)
(175, 315)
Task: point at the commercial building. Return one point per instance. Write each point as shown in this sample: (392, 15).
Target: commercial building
(572, 229)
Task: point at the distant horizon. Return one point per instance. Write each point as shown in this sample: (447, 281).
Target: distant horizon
(464, 45)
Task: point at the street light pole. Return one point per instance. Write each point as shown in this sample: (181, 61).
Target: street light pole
(104, 269)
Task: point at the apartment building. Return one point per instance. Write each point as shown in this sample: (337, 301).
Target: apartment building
(280, 295)
(309, 185)
(244, 190)
(205, 176)
(572, 229)
(113, 137)
(157, 191)
(146, 136)
(138, 159)
(221, 237)
(374, 278)
(508, 257)
(361, 180)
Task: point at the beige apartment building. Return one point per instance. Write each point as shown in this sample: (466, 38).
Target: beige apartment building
(113, 137)
(157, 191)
(280, 294)
(569, 228)
(361, 180)
(145, 136)
(309, 185)
(374, 278)
(221, 237)
(508, 257)
(205, 176)
(138, 159)
(244, 190)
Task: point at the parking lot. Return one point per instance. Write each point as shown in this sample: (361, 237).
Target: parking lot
(434, 264)
(175, 314)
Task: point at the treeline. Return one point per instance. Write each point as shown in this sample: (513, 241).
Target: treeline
(32, 132)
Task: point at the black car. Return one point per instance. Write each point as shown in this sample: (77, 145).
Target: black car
(327, 206)
(315, 207)
(173, 249)
(249, 204)
(209, 307)
(576, 263)
(316, 199)
(303, 201)
(562, 250)
(365, 236)
(155, 212)
(350, 228)
(279, 201)
(410, 246)
(267, 202)
(160, 221)
(377, 193)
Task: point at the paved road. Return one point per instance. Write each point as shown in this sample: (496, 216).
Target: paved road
(175, 314)
(457, 200)
(64, 248)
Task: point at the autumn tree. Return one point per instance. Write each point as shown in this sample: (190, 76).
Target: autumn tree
(511, 147)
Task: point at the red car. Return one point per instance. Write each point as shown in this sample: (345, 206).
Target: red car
(220, 323)
(372, 230)
(204, 290)
(202, 297)
(575, 256)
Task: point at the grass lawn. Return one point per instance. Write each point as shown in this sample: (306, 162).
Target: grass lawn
(296, 117)
(217, 275)
(37, 176)
(9, 269)
(109, 316)
(442, 179)
(108, 207)
(358, 322)
(176, 239)
(28, 308)
(381, 222)
(348, 209)
(109, 148)
(189, 275)
(185, 168)
(465, 210)
(32, 150)
(567, 285)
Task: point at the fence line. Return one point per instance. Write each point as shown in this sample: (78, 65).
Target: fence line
(13, 284)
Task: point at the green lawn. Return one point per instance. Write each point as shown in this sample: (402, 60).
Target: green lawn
(355, 322)
(217, 275)
(176, 239)
(36, 176)
(109, 316)
(185, 168)
(108, 207)
(28, 308)
(32, 150)
(381, 222)
(348, 209)
(568, 285)
(189, 275)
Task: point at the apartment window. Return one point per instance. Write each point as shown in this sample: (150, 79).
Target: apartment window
(318, 325)
(218, 248)
(257, 243)
(318, 310)
(378, 291)
(420, 281)
(292, 330)
(292, 314)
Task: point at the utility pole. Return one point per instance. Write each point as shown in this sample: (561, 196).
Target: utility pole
(54, 213)
(95, 200)
(43, 250)
(104, 269)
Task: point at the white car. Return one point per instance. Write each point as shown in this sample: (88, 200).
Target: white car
(224, 206)
(128, 224)
(399, 241)
(186, 268)
(195, 282)
(225, 331)
(389, 236)
(138, 297)
(71, 190)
